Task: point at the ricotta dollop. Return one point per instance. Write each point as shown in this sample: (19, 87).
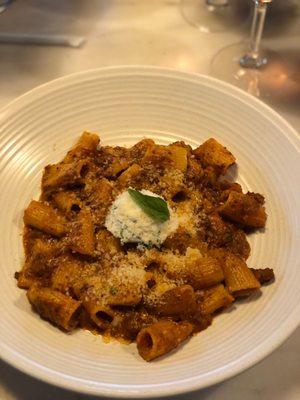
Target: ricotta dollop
(128, 222)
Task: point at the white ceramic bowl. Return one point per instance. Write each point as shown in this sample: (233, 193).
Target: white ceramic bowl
(124, 104)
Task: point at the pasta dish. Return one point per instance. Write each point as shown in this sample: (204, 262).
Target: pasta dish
(143, 244)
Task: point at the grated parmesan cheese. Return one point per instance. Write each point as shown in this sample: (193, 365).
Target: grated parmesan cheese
(121, 282)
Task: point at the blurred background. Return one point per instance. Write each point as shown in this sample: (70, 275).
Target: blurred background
(182, 34)
(41, 40)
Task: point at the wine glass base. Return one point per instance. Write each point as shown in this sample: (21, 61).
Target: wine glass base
(248, 61)
(214, 18)
(276, 79)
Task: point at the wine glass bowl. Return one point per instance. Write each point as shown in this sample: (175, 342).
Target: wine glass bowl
(263, 72)
(278, 80)
(211, 16)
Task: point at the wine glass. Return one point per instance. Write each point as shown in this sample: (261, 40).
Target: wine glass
(260, 71)
(213, 15)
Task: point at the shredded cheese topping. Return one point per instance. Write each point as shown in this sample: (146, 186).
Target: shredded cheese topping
(128, 222)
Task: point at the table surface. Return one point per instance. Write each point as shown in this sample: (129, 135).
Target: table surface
(150, 33)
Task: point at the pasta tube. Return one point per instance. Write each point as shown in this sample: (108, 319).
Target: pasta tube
(178, 155)
(63, 174)
(206, 272)
(69, 272)
(244, 209)
(100, 314)
(161, 337)
(138, 150)
(43, 217)
(239, 279)
(67, 202)
(175, 302)
(215, 298)
(126, 176)
(60, 309)
(100, 198)
(195, 270)
(213, 154)
(82, 234)
(87, 141)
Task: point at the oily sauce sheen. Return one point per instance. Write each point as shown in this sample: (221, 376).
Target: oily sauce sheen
(78, 274)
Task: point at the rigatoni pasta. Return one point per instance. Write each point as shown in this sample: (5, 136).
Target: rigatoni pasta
(214, 299)
(141, 244)
(179, 301)
(100, 314)
(58, 308)
(239, 279)
(246, 209)
(161, 337)
(42, 216)
(67, 202)
(81, 238)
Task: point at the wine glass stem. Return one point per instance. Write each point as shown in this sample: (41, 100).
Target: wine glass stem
(217, 3)
(253, 59)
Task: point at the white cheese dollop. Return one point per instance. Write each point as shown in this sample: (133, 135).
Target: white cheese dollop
(128, 222)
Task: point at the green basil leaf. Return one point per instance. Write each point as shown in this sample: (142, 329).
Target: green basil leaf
(153, 206)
